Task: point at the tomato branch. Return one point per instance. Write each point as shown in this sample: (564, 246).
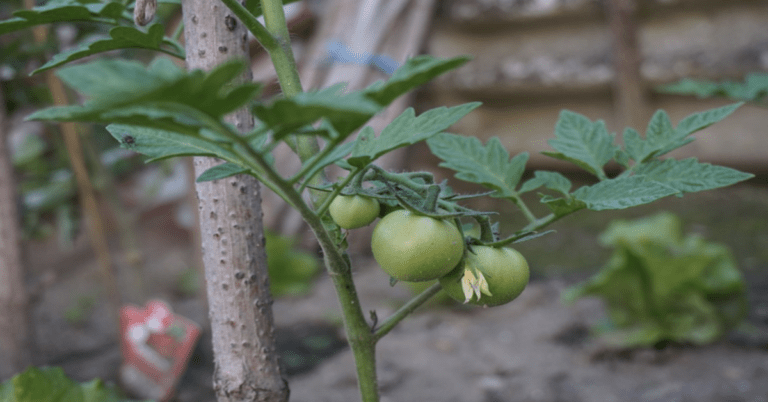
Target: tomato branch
(405, 310)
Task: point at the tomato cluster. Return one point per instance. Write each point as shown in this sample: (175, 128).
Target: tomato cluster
(414, 248)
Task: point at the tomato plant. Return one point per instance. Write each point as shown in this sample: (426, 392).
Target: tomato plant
(167, 112)
(354, 211)
(416, 248)
(489, 277)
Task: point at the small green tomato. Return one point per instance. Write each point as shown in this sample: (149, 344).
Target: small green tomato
(503, 274)
(353, 211)
(415, 248)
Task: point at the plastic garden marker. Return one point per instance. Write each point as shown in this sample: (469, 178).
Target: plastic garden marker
(156, 345)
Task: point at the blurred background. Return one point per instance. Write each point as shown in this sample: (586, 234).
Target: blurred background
(605, 59)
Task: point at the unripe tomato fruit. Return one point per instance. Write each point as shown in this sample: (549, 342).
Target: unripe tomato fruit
(353, 211)
(505, 270)
(416, 248)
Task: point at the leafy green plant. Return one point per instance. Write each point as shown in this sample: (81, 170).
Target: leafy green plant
(290, 270)
(754, 88)
(50, 384)
(78, 312)
(661, 286)
(163, 111)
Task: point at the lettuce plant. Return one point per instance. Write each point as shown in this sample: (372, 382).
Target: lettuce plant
(659, 285)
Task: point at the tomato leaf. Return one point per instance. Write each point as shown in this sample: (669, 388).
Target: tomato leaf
(61, 11)
(415, 72)
(702, 120)
(488, 165)
(562, 206)
(222, 171)
(345, 112)
(338, 153)
(162, 144)
(120, 38)
(661, 137)
(406, 129)
(622, 193)
(551, 180)
(689, 175)
(582, 142)
(162, 97)
(753, 89)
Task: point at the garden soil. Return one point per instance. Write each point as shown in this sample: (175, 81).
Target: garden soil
(533, 349)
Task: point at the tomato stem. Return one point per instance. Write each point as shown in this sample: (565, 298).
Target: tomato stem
(430, 202)
(405, 310)
(486, 232)
(518, 201)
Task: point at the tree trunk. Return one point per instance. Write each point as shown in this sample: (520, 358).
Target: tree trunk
(629, 91)
(14, 313)
(240, 304)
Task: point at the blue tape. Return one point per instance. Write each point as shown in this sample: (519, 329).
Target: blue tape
(341, 53)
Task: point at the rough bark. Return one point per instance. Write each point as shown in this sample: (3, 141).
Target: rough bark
(629, 90)
(14, 315)
(240, 304)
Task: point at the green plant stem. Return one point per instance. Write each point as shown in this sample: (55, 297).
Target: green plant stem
(180, 51)
(426, 176)
(430, 202)
(524, 209)
(486, 233)
(288, 76)
(179, 55)
(358, 332)
(399, 179)
(536, 225)
(328, 200)
(359, 335)
(252, 24)
(405, 310)
(309, 167)
(179, 30)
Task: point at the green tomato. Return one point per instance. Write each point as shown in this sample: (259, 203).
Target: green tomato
(504, 269)
(353, 211)
(416, 248)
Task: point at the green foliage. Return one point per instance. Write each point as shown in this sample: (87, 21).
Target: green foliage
(105, 14)
(65, 11)
(254, 6)
(753, 89)
(50, 384)
(188, 282)
(291, 271)
(162, 111)
(119, 38)
(78, 312)
(406, 129)
(415, 72)
(661, 286)
(580, 141)
(345, 112)
(588, 144)
(487, 165)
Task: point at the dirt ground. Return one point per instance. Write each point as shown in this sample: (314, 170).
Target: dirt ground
(533, 349)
